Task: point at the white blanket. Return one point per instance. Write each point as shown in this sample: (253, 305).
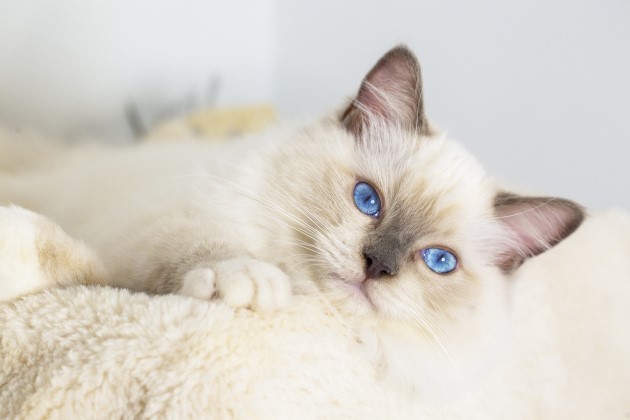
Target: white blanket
(97, 352)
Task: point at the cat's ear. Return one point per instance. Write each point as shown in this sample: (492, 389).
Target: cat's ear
(534, 224)
(390, 94)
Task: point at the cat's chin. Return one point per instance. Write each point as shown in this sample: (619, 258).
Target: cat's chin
(351, 297)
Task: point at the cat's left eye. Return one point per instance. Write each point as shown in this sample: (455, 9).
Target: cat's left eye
(439, 260)
(366, 199)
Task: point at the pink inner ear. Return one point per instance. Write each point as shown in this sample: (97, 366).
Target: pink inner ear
(391, 93)
(535, 225)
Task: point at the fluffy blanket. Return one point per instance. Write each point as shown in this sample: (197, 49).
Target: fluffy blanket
(98, 352)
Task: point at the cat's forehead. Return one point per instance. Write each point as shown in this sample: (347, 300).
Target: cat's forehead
(426, 183)
(407, 167)
(418, 177)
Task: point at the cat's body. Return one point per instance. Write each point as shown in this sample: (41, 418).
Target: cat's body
(156, 194)
(147, 210)
(250, 220)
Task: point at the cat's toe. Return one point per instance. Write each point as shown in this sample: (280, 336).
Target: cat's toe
(273, 290)
(258, 285)
(234, 282)
(198, 283)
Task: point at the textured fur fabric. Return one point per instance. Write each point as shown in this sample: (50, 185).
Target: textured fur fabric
(84, 352)
(101, 352)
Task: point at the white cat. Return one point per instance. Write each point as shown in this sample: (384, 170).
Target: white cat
(397, 227)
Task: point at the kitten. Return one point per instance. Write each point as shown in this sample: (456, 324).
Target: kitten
(398, 228)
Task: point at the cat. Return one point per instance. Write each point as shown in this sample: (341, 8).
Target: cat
(396, 227)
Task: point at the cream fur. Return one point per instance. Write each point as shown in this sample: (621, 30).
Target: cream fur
(36, 254)
(20, 272)
(104, 353)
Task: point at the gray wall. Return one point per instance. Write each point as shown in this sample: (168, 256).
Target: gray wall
(539, 90)
(73, 67)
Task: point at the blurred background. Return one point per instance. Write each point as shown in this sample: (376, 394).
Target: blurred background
(538, 90)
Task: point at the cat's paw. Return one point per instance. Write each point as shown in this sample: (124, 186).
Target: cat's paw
(36, 254)
(251, 283)
(198, 283)
(241, 283)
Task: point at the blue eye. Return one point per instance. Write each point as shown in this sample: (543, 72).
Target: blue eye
(366, 199)
(439, 260)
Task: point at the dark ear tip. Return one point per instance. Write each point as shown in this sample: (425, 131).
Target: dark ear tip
(579, 214)
(401, 52)
(575, 214)
(401, 49)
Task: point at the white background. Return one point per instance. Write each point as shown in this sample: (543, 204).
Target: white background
(538, 90)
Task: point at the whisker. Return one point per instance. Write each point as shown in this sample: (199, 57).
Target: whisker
(309, 231)
(291, 200)
(543, 204)
(437, 336)
(302, 245)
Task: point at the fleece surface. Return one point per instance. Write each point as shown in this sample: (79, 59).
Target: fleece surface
(68, 353)
(98, 352)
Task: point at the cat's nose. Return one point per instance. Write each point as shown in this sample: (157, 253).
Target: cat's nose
(375, 268)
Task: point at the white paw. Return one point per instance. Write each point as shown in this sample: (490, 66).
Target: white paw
(198, 283)
(258, 285)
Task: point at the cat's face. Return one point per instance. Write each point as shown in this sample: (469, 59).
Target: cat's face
(403, 224)
(384, 212)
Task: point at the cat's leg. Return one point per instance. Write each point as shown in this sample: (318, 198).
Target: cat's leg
(184, 256)
(36, 254)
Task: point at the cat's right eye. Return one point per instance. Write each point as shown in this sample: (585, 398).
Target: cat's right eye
(366, 199)
(439, 260)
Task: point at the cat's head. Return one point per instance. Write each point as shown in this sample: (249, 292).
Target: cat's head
(404, 226)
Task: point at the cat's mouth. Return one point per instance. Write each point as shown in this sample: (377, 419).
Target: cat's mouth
(358, 291)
